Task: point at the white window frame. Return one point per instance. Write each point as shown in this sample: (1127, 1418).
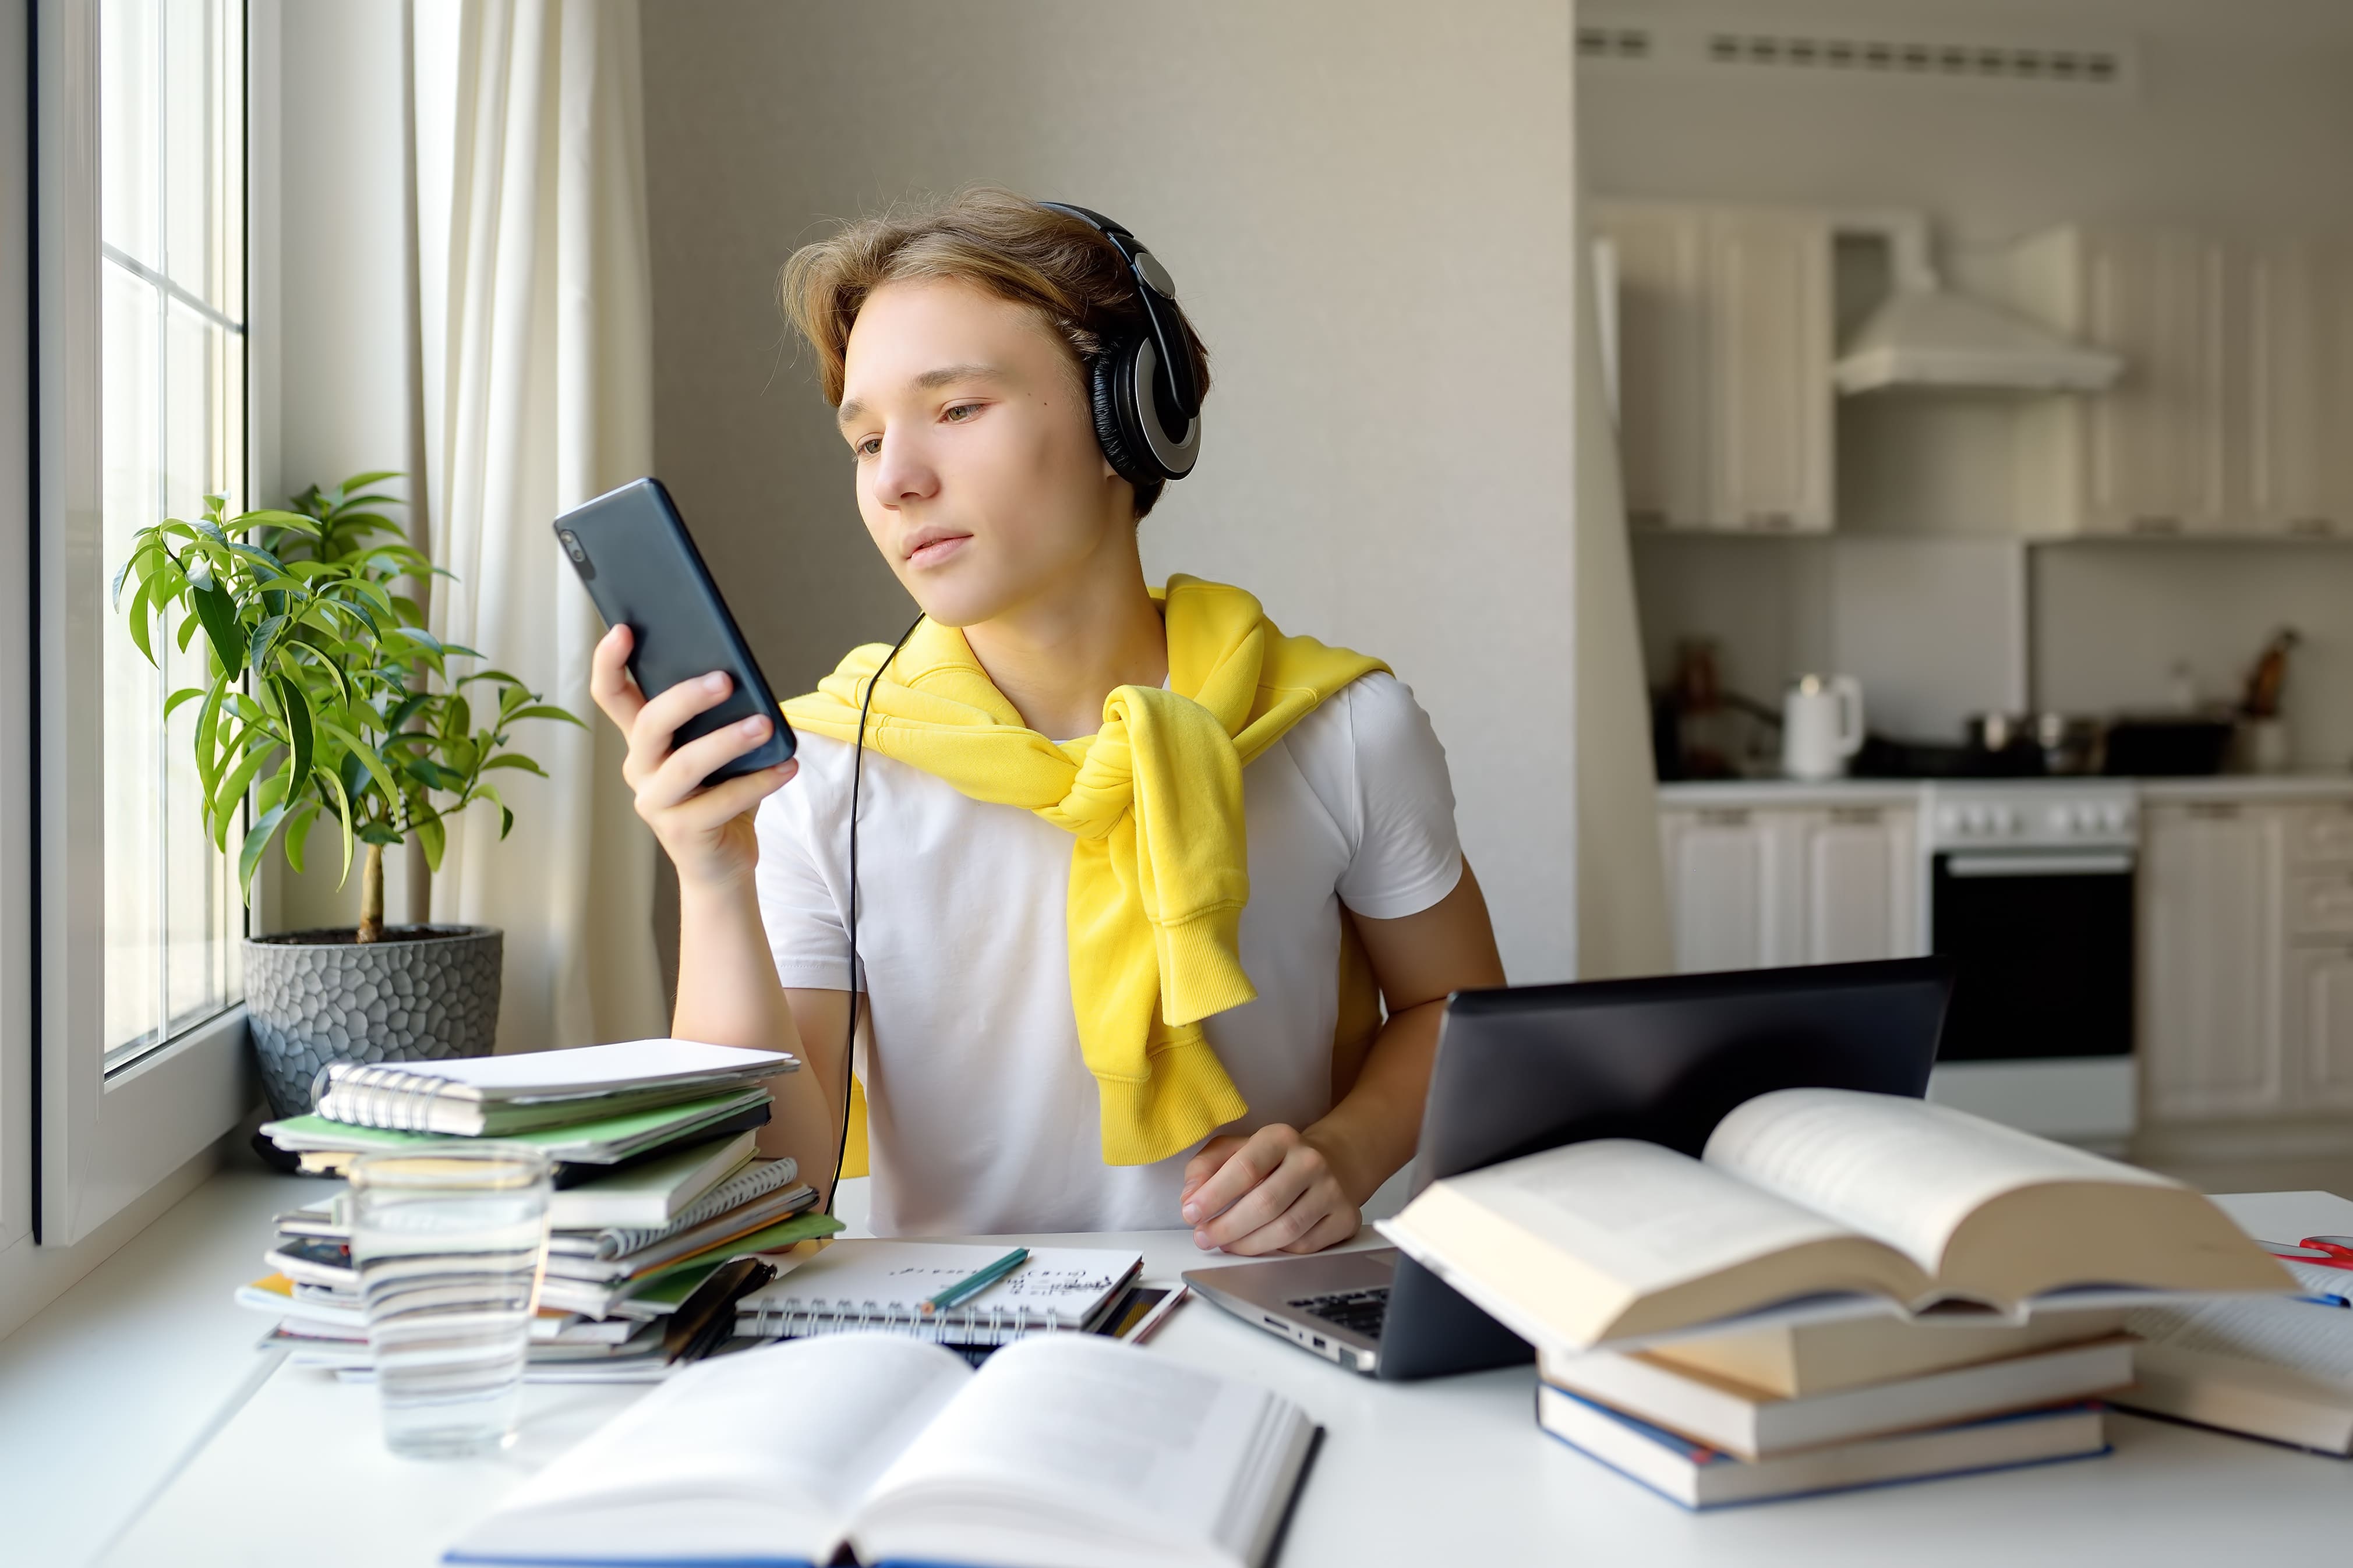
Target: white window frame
(16, 647)
(104, 1139)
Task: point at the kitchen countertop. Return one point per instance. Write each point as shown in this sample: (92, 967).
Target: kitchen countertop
(1734, 794)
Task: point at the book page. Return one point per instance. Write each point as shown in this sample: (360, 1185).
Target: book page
(1903, 1171)
(1645, 1215)
(2298, 1336)
(1081, 1440)
(747, 1455)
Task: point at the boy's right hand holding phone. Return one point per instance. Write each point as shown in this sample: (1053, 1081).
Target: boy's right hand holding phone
(707, 833)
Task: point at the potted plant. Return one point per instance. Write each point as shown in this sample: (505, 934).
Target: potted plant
(330, 703)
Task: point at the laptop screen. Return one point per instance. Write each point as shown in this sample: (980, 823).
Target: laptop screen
(1524, 1068)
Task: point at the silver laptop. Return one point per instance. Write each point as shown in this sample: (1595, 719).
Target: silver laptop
(1530, 1068)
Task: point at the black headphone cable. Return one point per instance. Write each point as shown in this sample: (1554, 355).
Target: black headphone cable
(849, 1043)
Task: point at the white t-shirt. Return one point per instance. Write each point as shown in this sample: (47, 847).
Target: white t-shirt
(982, 1117)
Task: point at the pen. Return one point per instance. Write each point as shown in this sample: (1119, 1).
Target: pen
(979, 1280)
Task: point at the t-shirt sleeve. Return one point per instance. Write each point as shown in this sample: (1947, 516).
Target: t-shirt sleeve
(798, 900)
(1406, 856)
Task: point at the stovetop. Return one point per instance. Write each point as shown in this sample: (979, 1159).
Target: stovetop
(2030, 813)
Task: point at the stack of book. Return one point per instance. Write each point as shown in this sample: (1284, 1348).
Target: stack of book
(1846, 1289)
(656, 1180)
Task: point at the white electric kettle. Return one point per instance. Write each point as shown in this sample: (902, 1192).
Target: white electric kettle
(1821, 725)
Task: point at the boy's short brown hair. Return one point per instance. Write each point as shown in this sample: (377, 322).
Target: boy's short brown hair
(1007, 244)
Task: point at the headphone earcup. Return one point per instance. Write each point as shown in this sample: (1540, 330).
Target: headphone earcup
(1124, 451)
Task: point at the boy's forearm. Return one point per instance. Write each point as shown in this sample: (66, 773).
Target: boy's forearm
(1371, 1133)
(728, 994)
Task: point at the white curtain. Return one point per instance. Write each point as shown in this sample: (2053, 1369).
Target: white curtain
(536, 316)
(1622, 901)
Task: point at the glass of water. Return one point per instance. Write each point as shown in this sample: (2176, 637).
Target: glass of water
(447, 1243)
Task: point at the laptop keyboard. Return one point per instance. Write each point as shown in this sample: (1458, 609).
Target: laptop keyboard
(1358, 1311)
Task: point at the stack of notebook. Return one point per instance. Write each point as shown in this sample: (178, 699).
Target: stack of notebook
(657, 1183)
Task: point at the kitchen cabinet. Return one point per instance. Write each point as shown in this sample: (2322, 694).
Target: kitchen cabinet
(2210, 959)
(1727, 875)
(1862, 884)
(2238, 379)
(1724, 341)
(2319, 1031)
(2147, 455)
(1759, 887)
(2246, 958)
(2289, 342)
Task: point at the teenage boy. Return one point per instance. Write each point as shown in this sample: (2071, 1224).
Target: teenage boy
(1136, 873)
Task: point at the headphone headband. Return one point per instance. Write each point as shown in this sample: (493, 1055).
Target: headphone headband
(1164, 408)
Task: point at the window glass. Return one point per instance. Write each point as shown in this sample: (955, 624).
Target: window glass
(172, 160)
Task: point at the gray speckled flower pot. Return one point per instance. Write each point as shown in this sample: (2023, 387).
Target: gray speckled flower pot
(422, 994)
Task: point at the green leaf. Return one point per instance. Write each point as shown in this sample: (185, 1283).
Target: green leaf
(218, 612)
(139, 619)
(434, 774)
(457, 717)
(545, 711)
(373, 477)
(405, 709)
(294, 704)
(257, 840)
(271, 518)
(344, 820)
(188, 624)
(368, 759)
(264, 636)
(232, 790)
(514, 760)
(430, 836)
(270, 568)
(378, 833)
(179, 696)
(207, 724)
(298, 831)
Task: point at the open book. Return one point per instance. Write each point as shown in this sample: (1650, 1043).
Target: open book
(1065, 1452)
(1813, 1192)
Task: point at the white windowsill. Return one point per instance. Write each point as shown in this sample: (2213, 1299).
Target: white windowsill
(106, 1390)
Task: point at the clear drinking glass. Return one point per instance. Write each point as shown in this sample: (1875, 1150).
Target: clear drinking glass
(448, 1244)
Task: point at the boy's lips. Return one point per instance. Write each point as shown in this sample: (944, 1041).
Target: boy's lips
(930, 546)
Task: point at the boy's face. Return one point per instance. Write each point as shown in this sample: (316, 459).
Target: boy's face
(978, 473)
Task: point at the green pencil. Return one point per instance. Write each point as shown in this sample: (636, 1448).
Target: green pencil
(979, 1280)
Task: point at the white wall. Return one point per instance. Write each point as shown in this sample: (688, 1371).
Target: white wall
(2243, 121)
(1367, 210)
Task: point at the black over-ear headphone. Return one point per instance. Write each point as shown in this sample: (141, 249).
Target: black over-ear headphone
(1147, 399)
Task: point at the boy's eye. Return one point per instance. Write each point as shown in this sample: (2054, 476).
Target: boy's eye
(961, 412)
(869, 447)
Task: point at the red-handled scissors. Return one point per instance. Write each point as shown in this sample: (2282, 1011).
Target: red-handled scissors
(2320, 1251)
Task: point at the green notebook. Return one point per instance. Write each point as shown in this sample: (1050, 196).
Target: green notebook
(657, 1295)
(600, 1141)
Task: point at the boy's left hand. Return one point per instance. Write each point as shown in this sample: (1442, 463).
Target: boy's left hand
(1274, 1191)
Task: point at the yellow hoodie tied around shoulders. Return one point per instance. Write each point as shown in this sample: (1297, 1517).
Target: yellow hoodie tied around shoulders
(1161, 868)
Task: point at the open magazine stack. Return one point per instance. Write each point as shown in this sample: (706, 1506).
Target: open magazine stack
(657, 1183)
(1845, 1290)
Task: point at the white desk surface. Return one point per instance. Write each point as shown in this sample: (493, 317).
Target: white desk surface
(1447, 1471)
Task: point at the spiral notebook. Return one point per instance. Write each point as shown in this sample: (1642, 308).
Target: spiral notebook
(854, 1286)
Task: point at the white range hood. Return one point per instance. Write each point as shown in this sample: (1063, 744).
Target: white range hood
(1926, 335)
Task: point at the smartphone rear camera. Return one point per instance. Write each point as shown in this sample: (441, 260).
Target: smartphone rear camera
(573, 548)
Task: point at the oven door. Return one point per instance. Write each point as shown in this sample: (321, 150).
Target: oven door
(2041, 943)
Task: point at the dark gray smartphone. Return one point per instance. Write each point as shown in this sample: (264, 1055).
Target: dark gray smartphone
(640, 567)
